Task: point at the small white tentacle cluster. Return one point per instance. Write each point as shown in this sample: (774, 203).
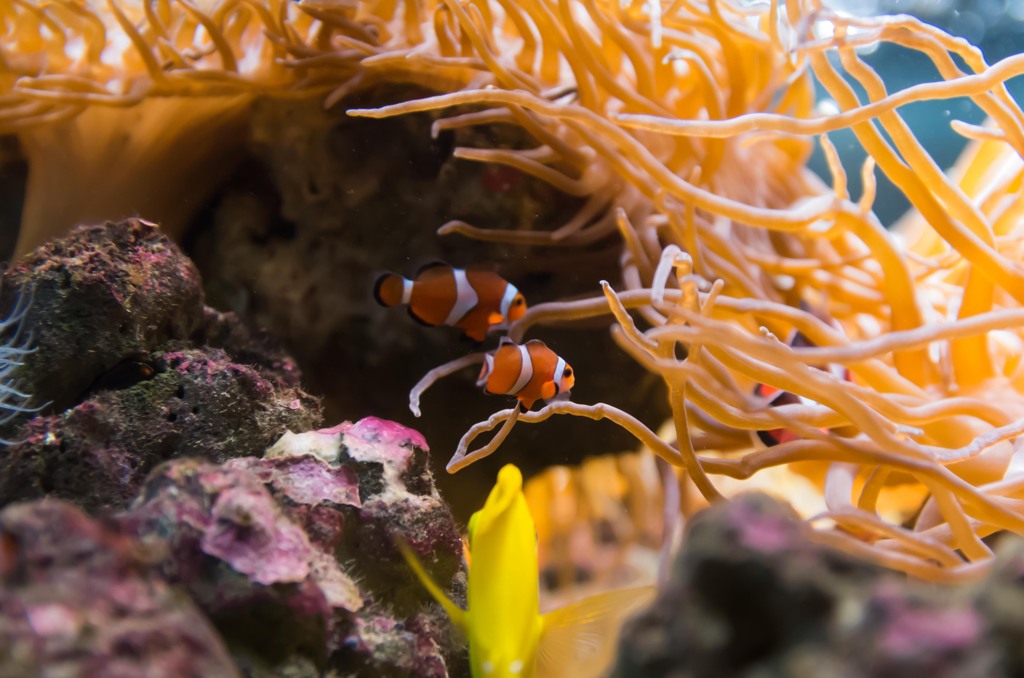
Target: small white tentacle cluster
(16, 345)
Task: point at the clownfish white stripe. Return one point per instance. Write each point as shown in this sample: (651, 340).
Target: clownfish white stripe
(525, 371)
(506, 300)
(465, 298)
(488, 368)
(406, 290)
(559, 368)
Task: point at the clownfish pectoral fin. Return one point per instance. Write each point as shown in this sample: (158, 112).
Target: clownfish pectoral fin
(495, 318)
(476, 334)
(549, 390)
(456, 613)
(579, 639)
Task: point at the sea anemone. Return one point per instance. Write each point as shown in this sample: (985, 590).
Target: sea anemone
(137, 107)
(686, 128)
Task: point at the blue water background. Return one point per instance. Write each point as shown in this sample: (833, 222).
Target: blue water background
(996, 26)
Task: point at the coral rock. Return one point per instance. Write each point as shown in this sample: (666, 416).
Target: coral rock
(752, 595)
(102, 295)
(197, 403)
(292, 556)
(77, 600)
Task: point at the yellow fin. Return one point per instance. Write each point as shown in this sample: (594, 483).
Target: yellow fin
(457, 614)
(579, 640)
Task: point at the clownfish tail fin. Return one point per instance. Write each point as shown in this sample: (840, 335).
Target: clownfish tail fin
(389, 289)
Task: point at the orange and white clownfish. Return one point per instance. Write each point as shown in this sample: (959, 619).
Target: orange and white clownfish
(475, 301)
(776, 396)
(529, 371)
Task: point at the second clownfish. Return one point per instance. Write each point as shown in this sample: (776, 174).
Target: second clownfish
(529, 371)
(776, 396)
(476, 302)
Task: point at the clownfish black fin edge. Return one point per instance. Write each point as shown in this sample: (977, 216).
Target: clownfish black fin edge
(431, 264)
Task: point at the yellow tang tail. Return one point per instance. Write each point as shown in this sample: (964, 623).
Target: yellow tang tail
(579, 640)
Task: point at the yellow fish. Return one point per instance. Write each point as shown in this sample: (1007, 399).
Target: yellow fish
(507, 634)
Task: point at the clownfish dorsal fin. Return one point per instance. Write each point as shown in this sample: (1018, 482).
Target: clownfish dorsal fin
(579, 639)
(482, 267)
(436, 263)
(456, 613)
(535, 342)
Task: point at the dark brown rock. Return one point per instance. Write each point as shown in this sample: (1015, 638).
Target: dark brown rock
(103, 295)
(191, 403)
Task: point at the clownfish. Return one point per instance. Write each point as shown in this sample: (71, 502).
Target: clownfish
(776, 396)
(475, 301)
(529, 371)
(507, 634)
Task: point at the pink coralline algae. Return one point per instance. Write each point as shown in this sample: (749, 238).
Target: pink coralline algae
(305, 479)
(77, 598)
(247, 532)
(384, 432)
(909, 632)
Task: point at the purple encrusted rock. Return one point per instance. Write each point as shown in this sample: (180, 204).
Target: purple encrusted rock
(752, 594)
(77, 598)
(292, 556)
(248, 533)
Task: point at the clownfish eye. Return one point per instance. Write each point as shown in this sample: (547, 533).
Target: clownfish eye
(518, 301)
(567, 372)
